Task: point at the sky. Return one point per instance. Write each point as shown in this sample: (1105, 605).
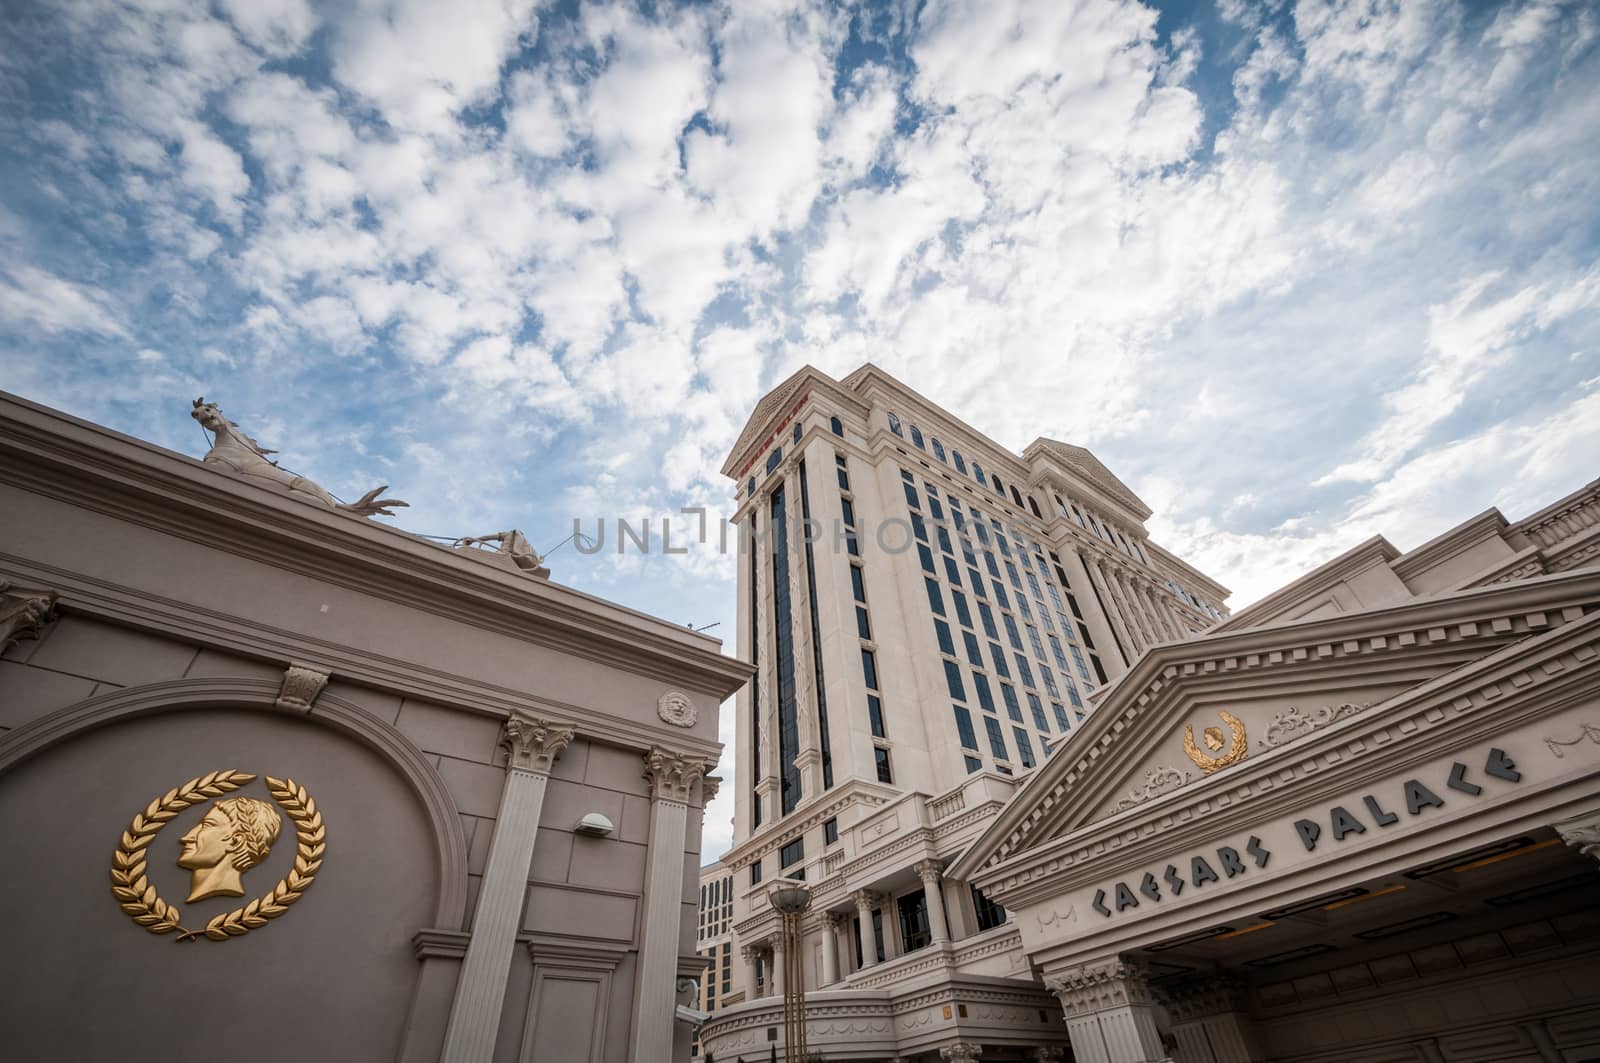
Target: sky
(1298, 272)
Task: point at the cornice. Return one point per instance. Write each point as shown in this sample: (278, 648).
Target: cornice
(1369, 554)
(151, 613)
(62, 457)
(802, 819)
(1489, 524)
(1583, 496)
(1074, 781)
(1082, 464)
(1517, 682)
(785, 396)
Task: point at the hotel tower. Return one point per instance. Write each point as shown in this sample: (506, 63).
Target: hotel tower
(930, 616)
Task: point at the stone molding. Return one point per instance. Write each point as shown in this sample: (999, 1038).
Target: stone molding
(1200, 998)
(1420, 718)
(301, 685)
(1099, 987)
(23, 614)
(533, 743)
(1582, 833)
(227, 633)
(439, 944)
(672, 775)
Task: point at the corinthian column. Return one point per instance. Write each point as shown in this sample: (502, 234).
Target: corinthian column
(1113, 613)
(930, 871)
(531, 745)
(672, 777)
(866, 900)
(1110, 1013)
(830, 947)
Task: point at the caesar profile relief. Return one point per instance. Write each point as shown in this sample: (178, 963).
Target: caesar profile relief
(235, 835)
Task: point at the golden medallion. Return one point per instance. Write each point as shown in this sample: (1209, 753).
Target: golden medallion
(234, 836)
(1214, 740)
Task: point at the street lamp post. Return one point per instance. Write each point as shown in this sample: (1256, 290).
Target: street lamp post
(791, 898)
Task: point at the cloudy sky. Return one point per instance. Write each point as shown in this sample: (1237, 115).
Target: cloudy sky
(1298, 272)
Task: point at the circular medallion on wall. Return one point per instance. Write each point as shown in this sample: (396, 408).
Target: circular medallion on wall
(676, 708)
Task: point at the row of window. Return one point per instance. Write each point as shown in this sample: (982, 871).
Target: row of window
(869, 653)
(992, 481)
(775, 458)
(991, 535)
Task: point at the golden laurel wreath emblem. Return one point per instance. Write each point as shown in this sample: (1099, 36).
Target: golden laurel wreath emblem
(138, 897)
(1237, 750)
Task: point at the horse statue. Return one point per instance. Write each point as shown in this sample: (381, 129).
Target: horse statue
(236, 451)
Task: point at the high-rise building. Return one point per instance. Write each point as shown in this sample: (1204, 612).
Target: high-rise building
(713, 939)
(930, 616)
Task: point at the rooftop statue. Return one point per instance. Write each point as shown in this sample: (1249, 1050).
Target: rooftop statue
(237, 451)
(513, 547)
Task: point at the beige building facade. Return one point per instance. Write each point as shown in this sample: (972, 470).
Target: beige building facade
(714, 940)
(278, 782)
(1358, 821)
(942, 629)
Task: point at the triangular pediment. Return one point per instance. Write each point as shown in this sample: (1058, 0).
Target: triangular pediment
(1283, 689)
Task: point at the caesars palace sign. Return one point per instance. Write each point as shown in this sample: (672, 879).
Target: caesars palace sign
(1413, 796)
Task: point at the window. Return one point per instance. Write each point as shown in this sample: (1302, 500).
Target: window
(869, 669)
(755, 872)
(848, 510)
(1061, 716)
(961, 465)
(990, 914)
(1011, 631)
(938, 449)
(894, 425)
(1036, 709)
(875, 715)
(952, 679)
(774, 458)
(925, 556)
(797, 431)
(999, 657)
(837, 426)
(946, 643)
(935, 597)
(969, 740)
(856, 584)
(977, 473)
(792, 853)
(863, 626)
(997, 738)
(986, 616)
(1025, 672)
(830, 827)
(973, 655)
(1024, 747)
(881, 757)
(914, 929)
(973, 764)
(985, 696)
(916, 438)
(750, 488)
(963, 614)
(1014, 496)
(1013, 709)
(1001, 491)
(1035, 507)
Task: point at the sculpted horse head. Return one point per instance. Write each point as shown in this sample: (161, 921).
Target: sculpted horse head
(237, 451)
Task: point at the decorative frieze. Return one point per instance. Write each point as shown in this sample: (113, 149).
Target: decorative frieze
(672, 775)
(1159, 780)
(23, 614)
(1587, 731)
(1292, 723)
(300, 688)
(1200, 998)
(532, 743)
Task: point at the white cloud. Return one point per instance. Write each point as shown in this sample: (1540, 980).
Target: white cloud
(34, 298)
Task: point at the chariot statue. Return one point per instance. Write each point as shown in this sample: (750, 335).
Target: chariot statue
(236, 451)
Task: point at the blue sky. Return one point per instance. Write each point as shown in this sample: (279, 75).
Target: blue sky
(1298, 272)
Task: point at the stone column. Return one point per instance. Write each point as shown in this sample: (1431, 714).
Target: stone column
(930, 872)
(961, 1052)
(1135, 608)
(532, 746)
(1113, 614)
(1163, 619)
(1209, 1021)
(830, 947)
(1582, 832)
(748, 954)
(672, 776)
(778, 981)
(866, 900)
(1110, 1014)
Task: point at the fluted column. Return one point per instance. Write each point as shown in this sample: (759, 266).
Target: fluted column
(830, 947)
(931, 874)
(672, 776)
(1158, 615)
(532, 746)
(1209, 1020)
(866, 900)
(779, 982)
(751, 989)
(1110, 1014)
(1113, 613)
(1135, 607)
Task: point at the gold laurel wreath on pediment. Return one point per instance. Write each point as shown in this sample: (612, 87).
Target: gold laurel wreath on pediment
(1237, 750)
(138, 897)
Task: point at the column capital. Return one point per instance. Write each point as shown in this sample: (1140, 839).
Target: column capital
(1097, 987)
(532, 743)
(961, 1052)
(866, 900)
(23, 613)
(671, 775)
(748, 953)
(1199, 998)
(775, 943)
(829, 920)
(1582, 832)
(709, 785)
(928, 871)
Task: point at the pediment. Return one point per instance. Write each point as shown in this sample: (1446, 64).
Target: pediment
(1282, 688)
